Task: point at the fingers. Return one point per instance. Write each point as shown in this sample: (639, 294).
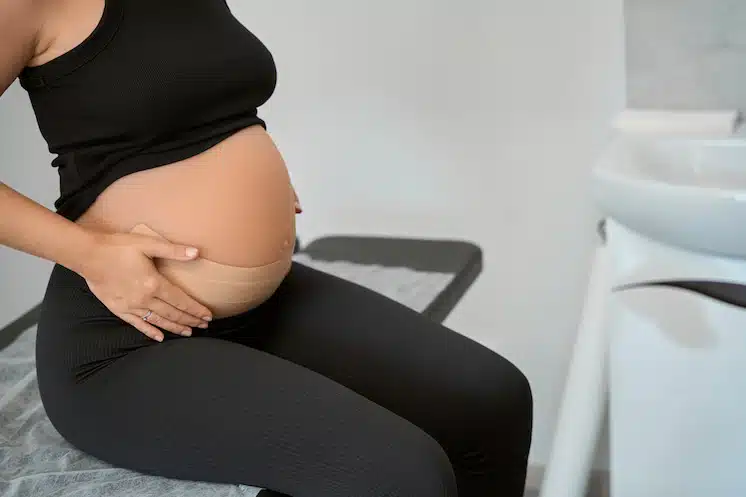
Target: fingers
(171, 313)
(155, 318)
(153, 247)
(177, 298)
(143, 326)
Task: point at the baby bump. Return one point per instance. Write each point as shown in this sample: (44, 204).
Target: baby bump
(233, 202)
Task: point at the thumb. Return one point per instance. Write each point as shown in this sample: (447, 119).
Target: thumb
(166, 250)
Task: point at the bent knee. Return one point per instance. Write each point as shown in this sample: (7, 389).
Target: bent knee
(494, 388)
(517, 394)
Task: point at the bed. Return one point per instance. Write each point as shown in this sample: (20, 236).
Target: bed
(430, 276)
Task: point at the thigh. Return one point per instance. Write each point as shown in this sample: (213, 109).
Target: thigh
(210, 410)
(423, 371)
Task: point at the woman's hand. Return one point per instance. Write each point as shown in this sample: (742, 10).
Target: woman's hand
(121, 274)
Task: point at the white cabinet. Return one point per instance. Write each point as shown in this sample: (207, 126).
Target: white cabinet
(677, 376)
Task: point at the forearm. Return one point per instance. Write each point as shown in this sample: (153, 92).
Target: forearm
(32, 228)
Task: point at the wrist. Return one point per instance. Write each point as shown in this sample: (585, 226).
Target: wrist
(83, 252)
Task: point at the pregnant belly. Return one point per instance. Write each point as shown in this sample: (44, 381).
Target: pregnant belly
(234, 202)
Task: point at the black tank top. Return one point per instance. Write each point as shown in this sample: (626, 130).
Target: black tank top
(156, 82)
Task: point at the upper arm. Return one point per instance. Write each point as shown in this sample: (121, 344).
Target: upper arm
(19, 27)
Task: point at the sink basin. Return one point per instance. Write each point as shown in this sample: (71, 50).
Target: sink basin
(684, 192)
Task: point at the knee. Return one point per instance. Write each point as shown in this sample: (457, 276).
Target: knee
(516, 399)
(500, 394)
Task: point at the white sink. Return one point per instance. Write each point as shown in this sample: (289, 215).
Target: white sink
(684, 192)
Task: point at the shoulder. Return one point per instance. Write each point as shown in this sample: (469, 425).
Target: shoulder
(20, 24)
(21, 20)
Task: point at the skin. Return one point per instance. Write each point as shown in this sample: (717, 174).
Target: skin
(118, 265)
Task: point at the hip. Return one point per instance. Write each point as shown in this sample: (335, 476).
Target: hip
(77, 336)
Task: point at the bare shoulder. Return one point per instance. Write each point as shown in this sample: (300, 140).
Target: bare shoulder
(20, 24)
(21, 18)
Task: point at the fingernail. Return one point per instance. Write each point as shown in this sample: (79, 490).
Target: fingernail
(159, 338)
(207, 318)
(191, 252)
(203, 325)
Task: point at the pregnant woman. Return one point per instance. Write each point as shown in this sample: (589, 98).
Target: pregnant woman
(177, 337)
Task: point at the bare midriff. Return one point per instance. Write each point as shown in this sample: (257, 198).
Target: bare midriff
(234, 202)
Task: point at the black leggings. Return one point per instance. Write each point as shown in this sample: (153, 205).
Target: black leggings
(327, 390)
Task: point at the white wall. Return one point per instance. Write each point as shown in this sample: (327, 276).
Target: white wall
(476, 119)
(687, 54)
(24, 165)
